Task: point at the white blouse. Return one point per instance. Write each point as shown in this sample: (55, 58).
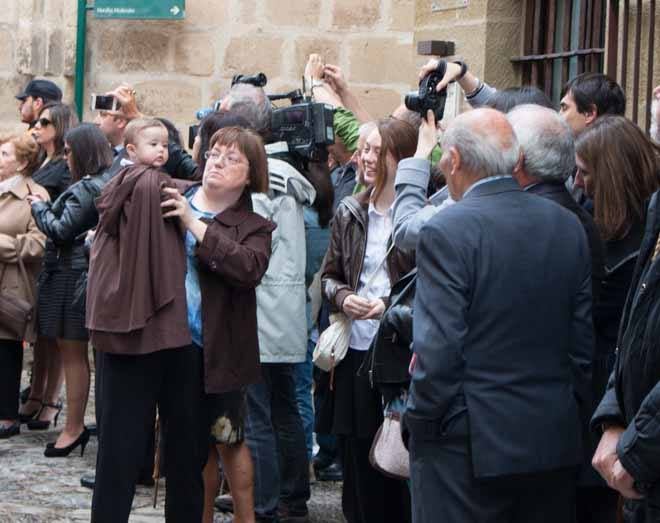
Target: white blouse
(379, 231)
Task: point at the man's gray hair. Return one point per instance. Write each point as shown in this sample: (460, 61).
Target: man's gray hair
(482, 154)
(546, 141)
(251, 103)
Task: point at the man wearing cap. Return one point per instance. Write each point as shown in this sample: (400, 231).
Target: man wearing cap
(36, 94)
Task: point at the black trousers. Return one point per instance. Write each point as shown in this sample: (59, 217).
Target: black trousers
(131, 386)
(11, 364)
(445, 489)
(148, 459)
(596, 504)
(368, 496)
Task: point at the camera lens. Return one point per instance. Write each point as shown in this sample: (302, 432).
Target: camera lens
(412, 101)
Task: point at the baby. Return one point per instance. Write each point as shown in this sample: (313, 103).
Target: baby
(146, 141)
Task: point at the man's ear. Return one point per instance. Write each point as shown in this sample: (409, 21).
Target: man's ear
(121, 123)
(456, 161)
(520, 164)
(37, 104)
(591, 114)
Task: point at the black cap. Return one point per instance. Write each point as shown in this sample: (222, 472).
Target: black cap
(44, 89)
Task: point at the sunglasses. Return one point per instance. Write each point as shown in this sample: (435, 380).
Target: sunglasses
(44, 122)
(67, 151)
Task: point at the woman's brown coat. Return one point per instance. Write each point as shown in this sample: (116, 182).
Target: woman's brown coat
(19, 237)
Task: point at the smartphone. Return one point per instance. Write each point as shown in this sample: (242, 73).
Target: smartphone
(193, 131)
(101, 102)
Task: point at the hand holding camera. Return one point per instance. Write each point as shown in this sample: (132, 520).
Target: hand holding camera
(428, 136)
(429, 97)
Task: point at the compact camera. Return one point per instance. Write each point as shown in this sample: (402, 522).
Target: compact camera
(427, 97)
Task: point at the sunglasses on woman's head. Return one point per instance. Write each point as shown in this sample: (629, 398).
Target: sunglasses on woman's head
(44, 122)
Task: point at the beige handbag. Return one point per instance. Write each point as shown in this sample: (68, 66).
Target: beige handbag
(332, 344)
(388, 454)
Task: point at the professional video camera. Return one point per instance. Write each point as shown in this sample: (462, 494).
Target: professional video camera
(306, 126)
(427, 97)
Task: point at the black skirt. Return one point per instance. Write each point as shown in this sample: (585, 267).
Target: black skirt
(57, 315)
(353, 408)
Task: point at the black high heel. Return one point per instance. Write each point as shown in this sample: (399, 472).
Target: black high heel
(24, 418)
(37, 424)
(81, 441)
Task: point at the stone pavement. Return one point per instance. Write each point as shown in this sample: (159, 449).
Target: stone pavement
(36, 489)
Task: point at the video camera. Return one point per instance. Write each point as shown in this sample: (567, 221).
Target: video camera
(307, 127)
(427, 97)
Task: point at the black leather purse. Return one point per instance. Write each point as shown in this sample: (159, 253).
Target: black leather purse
(389, 354)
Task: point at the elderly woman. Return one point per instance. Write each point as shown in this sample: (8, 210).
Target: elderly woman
(228, 248)
(65, 223)
(21, 242)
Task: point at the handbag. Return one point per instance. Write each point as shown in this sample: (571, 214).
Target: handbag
(332, 344)
(15, 312)
(388, 454)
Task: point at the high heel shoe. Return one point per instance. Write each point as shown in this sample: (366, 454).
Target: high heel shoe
(24, 418)
(38, 424)
(81, 441)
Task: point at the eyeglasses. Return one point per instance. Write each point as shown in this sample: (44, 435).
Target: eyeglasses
(230, 159)
(44, 122)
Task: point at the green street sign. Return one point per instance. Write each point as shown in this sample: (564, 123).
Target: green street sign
(141, 9)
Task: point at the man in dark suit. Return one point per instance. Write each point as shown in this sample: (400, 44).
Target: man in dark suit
(503, 340)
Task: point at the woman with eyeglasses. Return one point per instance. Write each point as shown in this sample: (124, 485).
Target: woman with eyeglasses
(42, 406)
(61, 315)
(228, 247)
(20, 239)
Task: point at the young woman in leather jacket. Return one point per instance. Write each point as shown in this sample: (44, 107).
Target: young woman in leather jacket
(65, 222)
(359, 253)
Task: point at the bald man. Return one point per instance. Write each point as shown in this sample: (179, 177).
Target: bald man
(502, 339)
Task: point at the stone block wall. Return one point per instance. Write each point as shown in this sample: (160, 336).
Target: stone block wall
(180, 66)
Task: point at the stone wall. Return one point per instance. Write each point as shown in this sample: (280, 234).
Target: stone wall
(180, 66)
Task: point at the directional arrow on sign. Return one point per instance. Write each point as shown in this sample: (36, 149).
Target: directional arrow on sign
(175, 10)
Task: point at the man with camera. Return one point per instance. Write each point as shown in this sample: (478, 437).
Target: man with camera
(274, 427)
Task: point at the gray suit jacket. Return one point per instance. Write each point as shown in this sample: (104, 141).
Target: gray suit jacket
(503, 320)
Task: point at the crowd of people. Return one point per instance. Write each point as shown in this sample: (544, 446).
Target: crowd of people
(493, 282)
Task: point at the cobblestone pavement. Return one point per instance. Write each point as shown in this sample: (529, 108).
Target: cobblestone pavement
(34, 488)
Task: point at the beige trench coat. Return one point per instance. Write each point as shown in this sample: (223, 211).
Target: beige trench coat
(19, 237)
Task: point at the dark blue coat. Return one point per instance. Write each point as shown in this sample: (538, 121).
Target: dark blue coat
(503, 318)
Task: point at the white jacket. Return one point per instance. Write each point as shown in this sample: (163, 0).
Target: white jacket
(281, 294)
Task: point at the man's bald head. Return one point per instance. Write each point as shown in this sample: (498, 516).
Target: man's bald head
(484, 141)
(546, 141)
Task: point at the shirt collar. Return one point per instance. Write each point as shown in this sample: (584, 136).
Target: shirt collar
(485, 180)
(372, 211)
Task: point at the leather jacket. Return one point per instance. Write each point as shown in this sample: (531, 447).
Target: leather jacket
(632, 398)
(345, 256)
(66, 221)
